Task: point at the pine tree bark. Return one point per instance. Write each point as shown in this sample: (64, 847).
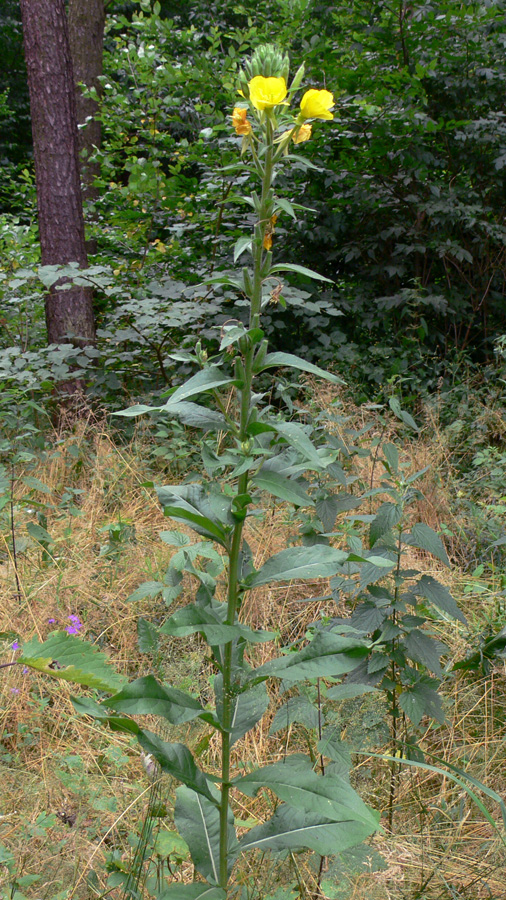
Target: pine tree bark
(86, 21)
(69, 313)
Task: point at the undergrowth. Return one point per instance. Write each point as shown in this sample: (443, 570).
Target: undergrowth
(75, 799)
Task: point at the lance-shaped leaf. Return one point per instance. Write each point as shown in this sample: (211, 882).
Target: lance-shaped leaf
(301, 270)
(293, 829)
(178, 761)
(327, 656)
(275, 360)
(198, 822)
(196, 416)
(71, 659)
(207, 512)
(146, 697)
(248, 707)
(440, 596)
(295, 782)
(195, 891)
(279, 486)
(208, 620)
(207, 379)
(295, 435)
(318, 561)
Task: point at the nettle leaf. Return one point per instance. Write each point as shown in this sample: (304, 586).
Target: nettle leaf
(318, 561)
(328, 655)
(295, 709)
(425, 650)
(391, 454)
(421, 700)
(275, 360)
(198, 822)
(279, 486)
(147, 636)
(38, 533)
(349, 692)
(147, 589)
(71, 659)
(248, 707)
(146, 697)
(425, 538)
(386, 518)
(439, 595)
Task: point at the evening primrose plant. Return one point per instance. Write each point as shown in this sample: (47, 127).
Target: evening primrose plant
(249, 451)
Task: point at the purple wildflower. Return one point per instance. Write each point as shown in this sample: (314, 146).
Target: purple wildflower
(75, 625)
(15, 645)
(14, 690)
(24, 670)
(51, 621)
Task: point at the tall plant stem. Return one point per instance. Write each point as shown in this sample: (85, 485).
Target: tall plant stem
(264, 213)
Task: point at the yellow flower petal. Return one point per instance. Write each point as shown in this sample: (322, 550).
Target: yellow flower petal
(240, 122)
(302, 134)
(317, 105)
(265, 93)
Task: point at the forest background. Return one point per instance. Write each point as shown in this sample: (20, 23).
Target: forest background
(404, 213)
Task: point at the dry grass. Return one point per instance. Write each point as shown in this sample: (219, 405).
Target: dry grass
(54, 763)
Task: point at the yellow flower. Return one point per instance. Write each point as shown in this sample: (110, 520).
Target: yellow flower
(240, 122)
(316, 105)
(302, 134)
(265, 93)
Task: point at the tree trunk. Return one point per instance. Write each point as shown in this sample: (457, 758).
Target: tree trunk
(69, 314)
(86, 20)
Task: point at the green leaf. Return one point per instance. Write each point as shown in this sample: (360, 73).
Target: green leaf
(391, 455)
(196, 416)
(71, 659)
(279, 486)
(421, 700)
(207, 512)
(198, 822)
(241, 244)
(296, 709)
(39, 534)
(274, 360)
(301, 270)
(293, 829)
(36, 484)
(295, 435)
(440, 596)
(328, 655)
(295, 782)
(207, 379)
(248, 707)
(147, 589)
(349, 691)
(318, 561)
(401, 414)
(195, 891)
(177, 760)
(425, 650)
(385, 519)
(425, 538)
(146, 697)
(147, 636)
